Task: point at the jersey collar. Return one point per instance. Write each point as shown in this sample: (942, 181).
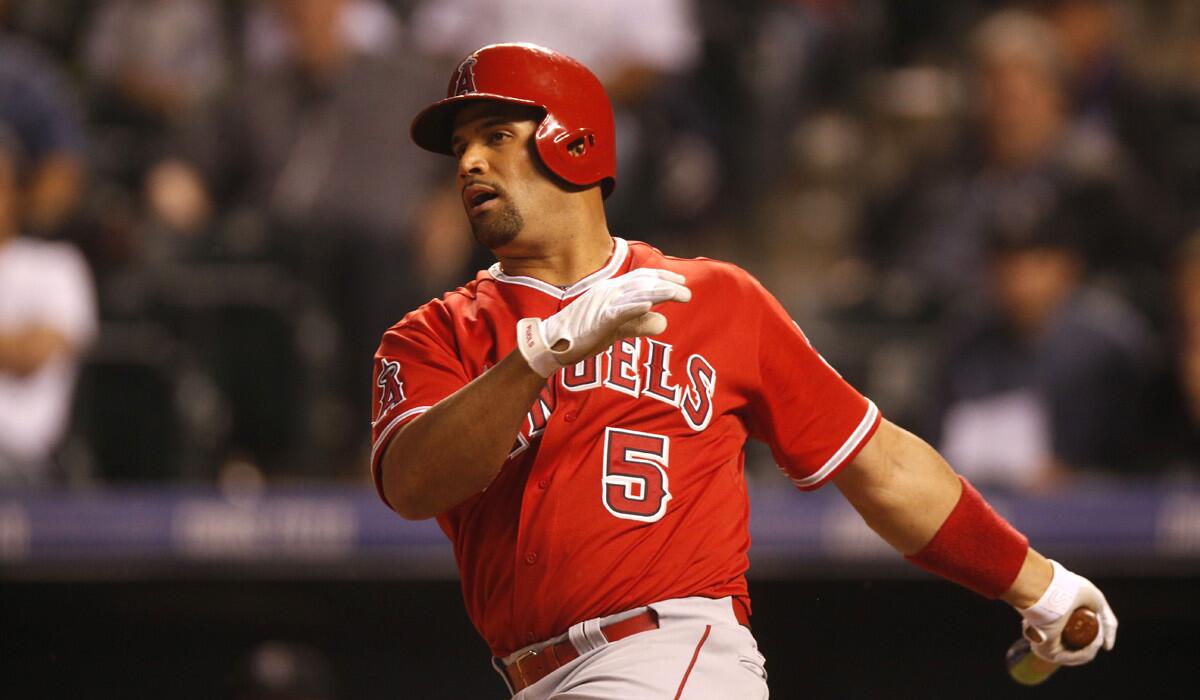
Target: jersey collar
(615, 263)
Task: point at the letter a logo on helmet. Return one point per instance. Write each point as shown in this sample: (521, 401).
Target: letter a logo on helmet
(575, 138)
(465, 83)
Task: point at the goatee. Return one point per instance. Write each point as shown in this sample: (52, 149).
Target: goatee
(497, 228)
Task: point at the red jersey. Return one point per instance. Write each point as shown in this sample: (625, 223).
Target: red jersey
(625, 485)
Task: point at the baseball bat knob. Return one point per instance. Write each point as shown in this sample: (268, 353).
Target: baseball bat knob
(1027, 668)
(1082, 627)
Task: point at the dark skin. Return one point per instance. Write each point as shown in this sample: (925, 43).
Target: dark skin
(563, 234)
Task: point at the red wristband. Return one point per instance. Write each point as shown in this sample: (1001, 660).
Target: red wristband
(975, 547)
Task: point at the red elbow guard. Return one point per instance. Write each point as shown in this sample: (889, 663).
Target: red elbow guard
(975, 547)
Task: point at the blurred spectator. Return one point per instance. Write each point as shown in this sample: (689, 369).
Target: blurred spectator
(36, 103)
(767, 68)
(316, 132)
(313, 143)
(1173, 416)
(626, 55)
(55, 25)
(1022, 143)
(1139, 125)
(1107, 96)
(160, 57)
(1100, 81)
(151, 64)
(270, 221)
(47, 318)
(269, 43)
(1050, 380)
(284, 671)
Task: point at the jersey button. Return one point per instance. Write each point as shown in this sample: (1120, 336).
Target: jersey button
(543, 483)
(570, 417)
(531, 558)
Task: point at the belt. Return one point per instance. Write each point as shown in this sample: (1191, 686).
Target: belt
(532, 666)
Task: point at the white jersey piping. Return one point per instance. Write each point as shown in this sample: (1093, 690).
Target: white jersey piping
(620, 253)
(851, 444)
(387, 432)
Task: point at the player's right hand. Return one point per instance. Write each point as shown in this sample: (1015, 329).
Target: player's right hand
(1044, 621)
(616, 308)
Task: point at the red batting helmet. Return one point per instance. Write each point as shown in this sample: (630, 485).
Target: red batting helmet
(575, 139)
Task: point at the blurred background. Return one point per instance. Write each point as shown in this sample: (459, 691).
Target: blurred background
(985, 214)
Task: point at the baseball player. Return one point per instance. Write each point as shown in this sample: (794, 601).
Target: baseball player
(575, 418)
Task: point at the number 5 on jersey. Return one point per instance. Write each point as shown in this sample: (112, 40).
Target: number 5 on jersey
(635, 474)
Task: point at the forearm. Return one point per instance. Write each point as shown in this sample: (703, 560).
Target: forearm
(455, 449)
(901, 487)
(905, 492)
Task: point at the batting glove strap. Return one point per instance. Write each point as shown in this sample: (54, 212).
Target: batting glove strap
(531, 340)
(1056, 600)
(1044, 620)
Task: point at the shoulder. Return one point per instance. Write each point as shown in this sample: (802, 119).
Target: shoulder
(439, 316)
(699, 271)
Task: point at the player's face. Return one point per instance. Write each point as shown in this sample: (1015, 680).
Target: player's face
(499, 175)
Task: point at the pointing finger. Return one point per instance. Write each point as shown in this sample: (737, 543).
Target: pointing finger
(626, 312)
(662, 291)
(671, 276)
(652, 273)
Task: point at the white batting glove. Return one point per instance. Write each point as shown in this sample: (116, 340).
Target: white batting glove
(1044, 621)
(611, 310)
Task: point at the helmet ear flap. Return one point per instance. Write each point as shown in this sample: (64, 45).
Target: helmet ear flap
(575, 155)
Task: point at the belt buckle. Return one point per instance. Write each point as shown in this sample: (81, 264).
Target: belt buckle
(517, 665)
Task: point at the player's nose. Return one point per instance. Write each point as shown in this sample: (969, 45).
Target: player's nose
(472, 161)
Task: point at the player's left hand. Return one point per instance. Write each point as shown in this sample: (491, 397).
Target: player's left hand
(1044, 621)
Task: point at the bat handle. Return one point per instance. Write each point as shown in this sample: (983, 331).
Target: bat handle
(1027, 668)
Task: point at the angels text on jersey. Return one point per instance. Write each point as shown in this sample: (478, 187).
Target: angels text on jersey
(640, 368)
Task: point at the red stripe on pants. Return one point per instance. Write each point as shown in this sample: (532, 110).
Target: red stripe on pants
(695, 655)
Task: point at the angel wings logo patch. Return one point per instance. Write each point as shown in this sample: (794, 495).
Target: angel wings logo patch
(391, 389)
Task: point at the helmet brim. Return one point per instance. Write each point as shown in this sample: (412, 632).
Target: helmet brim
(433, 127)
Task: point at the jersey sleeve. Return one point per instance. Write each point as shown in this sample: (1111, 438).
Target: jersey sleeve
(812, 419)
(415, 367)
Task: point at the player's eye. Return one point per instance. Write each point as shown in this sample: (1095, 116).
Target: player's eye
(498, 137)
